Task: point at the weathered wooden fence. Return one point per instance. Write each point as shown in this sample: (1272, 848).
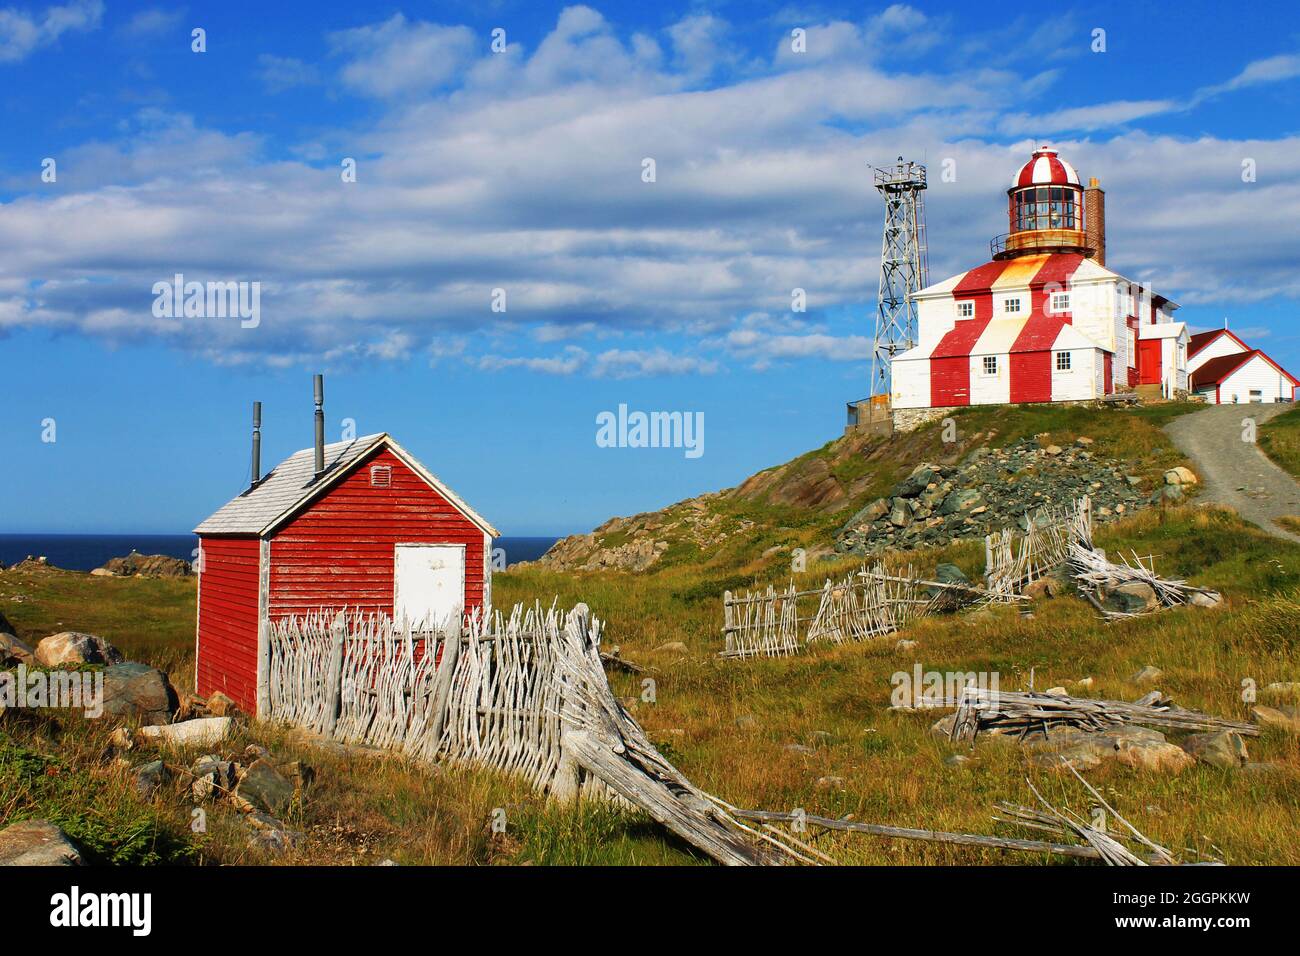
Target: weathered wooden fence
(863, 605)
(525, 694)
(1014, 559)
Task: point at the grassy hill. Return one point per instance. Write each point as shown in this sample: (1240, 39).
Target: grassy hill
(728, 724)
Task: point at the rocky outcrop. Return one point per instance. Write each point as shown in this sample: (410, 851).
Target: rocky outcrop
(37, 843)
(146, 566)
(74, 647)
(990, 490)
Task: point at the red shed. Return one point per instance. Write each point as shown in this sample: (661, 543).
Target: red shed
(374, 530)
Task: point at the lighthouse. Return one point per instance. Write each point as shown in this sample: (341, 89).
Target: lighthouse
(1044, 320)
(1049, 211)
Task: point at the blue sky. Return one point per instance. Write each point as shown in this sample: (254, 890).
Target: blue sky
(522, 170)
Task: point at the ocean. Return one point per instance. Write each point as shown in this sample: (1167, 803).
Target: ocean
(83, 552)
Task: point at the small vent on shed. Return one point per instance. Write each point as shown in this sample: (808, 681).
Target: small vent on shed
(381, 476)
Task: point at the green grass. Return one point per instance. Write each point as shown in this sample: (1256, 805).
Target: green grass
(1279, 438)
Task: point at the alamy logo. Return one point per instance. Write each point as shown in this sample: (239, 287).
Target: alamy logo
(82, 690)
(651, 430)
(74, 908)
(212, 300)
(921, 689)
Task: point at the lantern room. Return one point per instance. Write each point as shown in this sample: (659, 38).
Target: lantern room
(1045, 209)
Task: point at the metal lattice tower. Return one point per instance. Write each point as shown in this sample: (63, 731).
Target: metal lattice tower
(904, 267)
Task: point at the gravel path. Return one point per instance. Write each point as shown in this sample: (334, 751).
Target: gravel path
(1235, 472)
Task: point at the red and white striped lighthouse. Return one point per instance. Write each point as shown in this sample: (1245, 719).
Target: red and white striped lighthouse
(1044, 320)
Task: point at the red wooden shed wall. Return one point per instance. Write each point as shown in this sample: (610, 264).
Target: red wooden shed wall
(227, 632)
(339, 552)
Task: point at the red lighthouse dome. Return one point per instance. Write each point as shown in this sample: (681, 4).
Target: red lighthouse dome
(1045, 209)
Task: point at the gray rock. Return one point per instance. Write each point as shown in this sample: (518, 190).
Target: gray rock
(799, 749)
(200, 732)
(1281, 717)
(1220, 749)
(264, 788)
(1132, 597)
(900, 515)
(37, 843)
(13, 651)
(830, 783)
(211, 777)
(269, 834)
(963, 499)
(1147, 674)
(916, 482)
(140, 693)
(1206, 599)
(74, 647)
(950, 574)
(149, 778)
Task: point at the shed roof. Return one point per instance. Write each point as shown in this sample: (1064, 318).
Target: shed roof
(292, 484)
(1217, 370)
(1201, 339)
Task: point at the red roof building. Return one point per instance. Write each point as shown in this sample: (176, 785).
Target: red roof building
(370, 530)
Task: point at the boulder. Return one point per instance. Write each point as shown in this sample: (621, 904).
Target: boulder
(14, 651)
(905, 646)
(101, 573)
(73, 647)
(148, 778)
(672, 647)
(1159, 756)
(1042, 588)
(1220, 749)
(210, 776)
(1132, 597)
(950, 574)
(219, 705)
(1146, 675)
(916, 482)
(1081, 755)
(264, 788)
(201, 732)
(963, 499)
(1206, 599)
(900, 515)
(1179, 476)
(1281, 717)
(138, 692)
(877, 509)
(37, 843)
(269, 834)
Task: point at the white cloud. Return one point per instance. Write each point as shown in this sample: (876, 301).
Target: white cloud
(522, 171)
(152, 22)
(400, 57)
(23, 33)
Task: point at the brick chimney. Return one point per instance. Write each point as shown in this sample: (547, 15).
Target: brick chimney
(1094, 218)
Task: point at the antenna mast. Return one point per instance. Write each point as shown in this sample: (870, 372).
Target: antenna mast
(904, 267)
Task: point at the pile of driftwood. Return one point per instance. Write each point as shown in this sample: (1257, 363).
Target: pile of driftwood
(866, 604)
(981, 710)
(1096, 576)
(526, 694)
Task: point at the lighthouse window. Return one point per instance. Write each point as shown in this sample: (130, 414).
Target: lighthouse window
(1060, 302)
(1062, 361)
(1011, 306)
(990, 365)
(965, 310)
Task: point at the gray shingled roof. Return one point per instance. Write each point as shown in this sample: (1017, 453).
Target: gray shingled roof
(289, 484)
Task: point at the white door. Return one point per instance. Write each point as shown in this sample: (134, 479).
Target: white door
(428, 583)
